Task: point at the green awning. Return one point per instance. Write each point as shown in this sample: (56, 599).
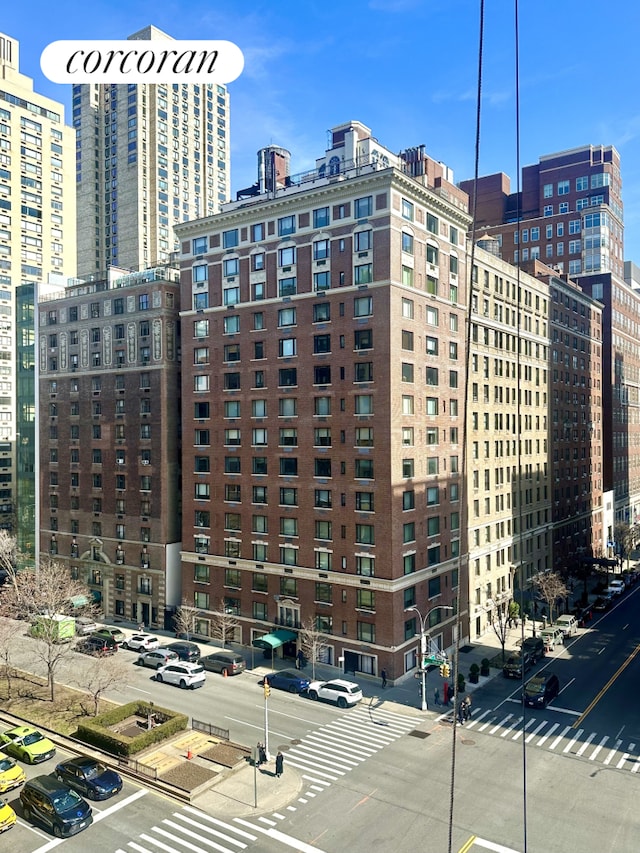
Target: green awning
(275, 639)
(97, 595)
(79, 600)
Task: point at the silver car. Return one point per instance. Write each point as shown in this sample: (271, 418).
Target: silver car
(155, 658)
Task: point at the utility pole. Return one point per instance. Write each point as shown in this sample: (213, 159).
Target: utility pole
(267, 693)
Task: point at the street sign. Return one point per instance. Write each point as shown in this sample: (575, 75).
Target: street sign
(428, 660)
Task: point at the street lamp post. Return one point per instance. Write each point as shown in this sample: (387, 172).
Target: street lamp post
(424, 634)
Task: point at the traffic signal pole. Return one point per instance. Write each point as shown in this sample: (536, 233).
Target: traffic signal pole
(267, 693)
(423, 662)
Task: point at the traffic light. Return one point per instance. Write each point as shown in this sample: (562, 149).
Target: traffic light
(267, 689)
(442, 670)
(445, 669)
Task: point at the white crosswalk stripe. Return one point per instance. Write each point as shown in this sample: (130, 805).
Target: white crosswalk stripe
(567, 740)
(191, 831)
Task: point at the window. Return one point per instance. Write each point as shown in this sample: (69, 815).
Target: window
(230, 238)
(321, 281)
(321, 312)
(364, 436)
(365, 534)
(363, 207)
(231, 381)
(231, 352)
(408, 468)
(287, 377)
(366, 632)
(364, 501)
(289, 466)
(431, 316)
(259, 465)
(321, 217)
(231, 324)
(363, 371)
(363, 274)
(321, 437)
(364, 469)
(407, 372)
(433, 496)
(286, 256)
(407, 243)
(286, 317)
(322, 343)
(257, 261)
(363, 241)
(231, 407)
(231, 267)
(289, 557)
(563, 187)
(231, 464)
(363, 306)
(409, 499)
(322, 467)
(257, 232)
(199, 273)
(364, 404)
(232, 437)
(407, 210)
(322, 374)
(288, 407)
(259, 495)
(286, 225)
(287, 347)
(231, 295)
(547, 191)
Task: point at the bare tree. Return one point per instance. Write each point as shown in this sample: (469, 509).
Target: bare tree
(185, 619)
(8, 643)
(105, 673)
(9, 556)
(550, 587)
(223, 623)
(624, 539)
(39, 595)
(312, 643)
(504, 615)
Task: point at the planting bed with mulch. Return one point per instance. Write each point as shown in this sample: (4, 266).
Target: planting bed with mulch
(187, 776)
(226, 754)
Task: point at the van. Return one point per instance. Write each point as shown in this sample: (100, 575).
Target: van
(228, 663)
(568, 624)
(535, 648)
(54, 805)
(514, 664)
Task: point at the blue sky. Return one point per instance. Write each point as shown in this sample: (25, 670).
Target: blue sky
(405, 68)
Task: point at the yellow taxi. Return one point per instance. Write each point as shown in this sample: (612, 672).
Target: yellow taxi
(11, 775)
(7, 816)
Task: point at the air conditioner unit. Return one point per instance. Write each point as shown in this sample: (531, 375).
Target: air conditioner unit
(145, 461)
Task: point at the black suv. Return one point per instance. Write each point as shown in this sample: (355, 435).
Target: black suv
(541, 689)
(185, 651)
(97, 646)
(57, 807)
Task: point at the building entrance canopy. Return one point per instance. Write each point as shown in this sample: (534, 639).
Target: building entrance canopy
(275, 639)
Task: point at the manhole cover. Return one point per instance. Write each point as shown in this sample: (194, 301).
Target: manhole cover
(465, 741)
(296, 742)
(283, 747)
(419, 734)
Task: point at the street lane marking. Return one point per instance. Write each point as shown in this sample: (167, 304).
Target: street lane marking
(598, 747)
(531, 736)
(548, 734)
(329, 738)
(299, 846)
(522, 731)
(223, 836)
(491, 845)
(193, 835)
(601, 693)
(586, 744)
(139, 847)
(502, 722)
(512, 726)
(217, 822)
(572, 741)
(475, 720)
(612, 752)
(559, 738)
(328, 753)
(467, 845)
(620, 763)
(117, 806)
(261, 727)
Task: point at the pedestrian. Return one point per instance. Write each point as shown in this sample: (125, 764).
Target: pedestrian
(262, 754)
(467, 708)
(436, 696)
(141, 627)
(279, 764)
(300, 659)
(383, 676)
(461, 713)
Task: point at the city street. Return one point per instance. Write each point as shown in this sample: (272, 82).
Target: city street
(378, 776)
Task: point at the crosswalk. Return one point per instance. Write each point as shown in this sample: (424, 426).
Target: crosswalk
(322, 757)
(555, 737)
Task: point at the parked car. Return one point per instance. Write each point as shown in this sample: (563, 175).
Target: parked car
(227, 663)
(56, 806)
(113, 633)
(89, 777)
(568, 624)
(182, 673)
(155, 658)
(535, 647)
(601, 604)
(141, 642)
(514, 664)
(11, 775)
(552, 637)
(617, 586)
(27, 744)
(7, 816)
(185, 650)
(541, 689)
(338, 691)
(98, 646)
(85, 626)
(288, 679)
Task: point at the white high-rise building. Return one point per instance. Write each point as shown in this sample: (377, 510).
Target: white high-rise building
(147, 157)
(37, 245)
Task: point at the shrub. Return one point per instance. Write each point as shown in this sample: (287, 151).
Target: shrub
(98, 731)
(474, 673)
(485, 667)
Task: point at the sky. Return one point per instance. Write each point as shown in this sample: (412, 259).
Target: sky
(405, 68)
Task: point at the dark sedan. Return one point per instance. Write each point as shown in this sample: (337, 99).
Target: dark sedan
(288, 679)
(89, 777)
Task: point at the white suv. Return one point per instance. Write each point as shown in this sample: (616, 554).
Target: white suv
(338, 691)
(141, 643)
(183, 674)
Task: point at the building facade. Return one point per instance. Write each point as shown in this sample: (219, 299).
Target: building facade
(509, 490)
(37, 241)
(109, 383)
(322, 396)
(147, 156)
(569, 210)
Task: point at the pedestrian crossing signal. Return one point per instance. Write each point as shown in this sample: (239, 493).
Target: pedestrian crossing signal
(267, 690)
